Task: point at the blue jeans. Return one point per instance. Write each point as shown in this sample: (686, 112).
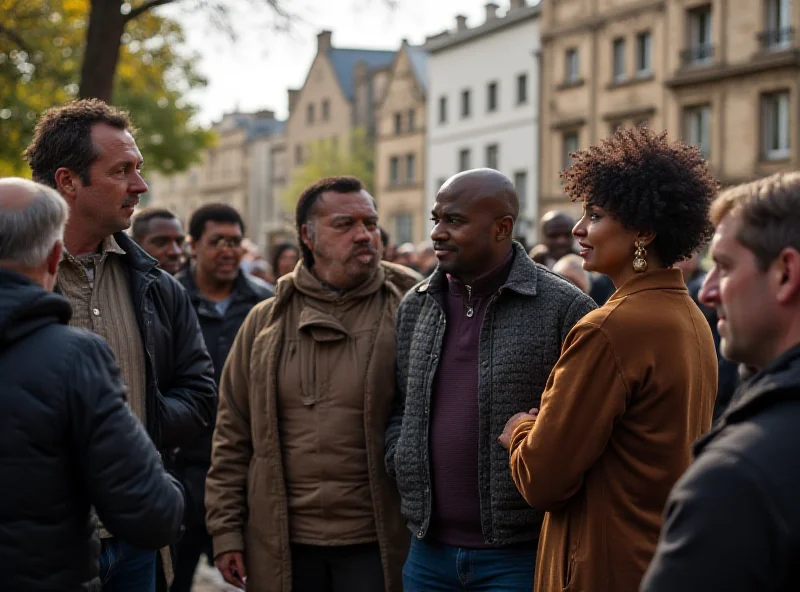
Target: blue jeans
(433, 567)
(127, 569)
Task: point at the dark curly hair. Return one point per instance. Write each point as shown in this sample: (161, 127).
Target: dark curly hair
(309, 197)
(63, 138)
(649, 184)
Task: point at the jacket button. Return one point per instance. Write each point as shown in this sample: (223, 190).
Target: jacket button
(96, 312)
(420, 534)
(434, 356)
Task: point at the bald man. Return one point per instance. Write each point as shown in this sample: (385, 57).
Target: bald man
(557, 234)
(486, 330)
(69, 440)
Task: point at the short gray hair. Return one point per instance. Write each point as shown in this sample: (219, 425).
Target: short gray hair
(27, 235)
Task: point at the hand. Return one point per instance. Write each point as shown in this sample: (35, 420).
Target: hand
(231, 566)
(511, 425)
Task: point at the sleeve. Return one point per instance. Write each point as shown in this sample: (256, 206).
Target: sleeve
(226, 484)
(403, 347)
(579, 308)
(584, 396)
(187, 408)
(722, 531)
(119, 466)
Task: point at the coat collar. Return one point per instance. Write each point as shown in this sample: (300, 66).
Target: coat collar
(658, 279)
(522, 278)
(135, 257)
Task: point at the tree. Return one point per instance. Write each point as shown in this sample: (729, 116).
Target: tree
(327, 158)
(41, 51)
(110, 19)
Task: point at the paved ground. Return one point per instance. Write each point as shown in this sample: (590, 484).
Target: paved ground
(207, 579)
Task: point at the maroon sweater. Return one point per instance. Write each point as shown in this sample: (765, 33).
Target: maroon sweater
(456, 515)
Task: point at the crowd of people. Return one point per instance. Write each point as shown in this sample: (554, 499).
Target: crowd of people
(596, 414)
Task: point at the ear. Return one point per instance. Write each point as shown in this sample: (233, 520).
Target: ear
(505, 227)
(54, 258)
(305, 236)
(67, 183)
(785, 274)
(646, 237)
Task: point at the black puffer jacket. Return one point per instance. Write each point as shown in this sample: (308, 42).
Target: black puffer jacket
(67, 442)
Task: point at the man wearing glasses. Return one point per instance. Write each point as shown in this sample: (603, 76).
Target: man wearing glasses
(222, 295)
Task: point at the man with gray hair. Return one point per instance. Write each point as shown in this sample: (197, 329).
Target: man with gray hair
(67, 439)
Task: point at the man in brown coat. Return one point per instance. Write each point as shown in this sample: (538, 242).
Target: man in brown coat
(297, 496)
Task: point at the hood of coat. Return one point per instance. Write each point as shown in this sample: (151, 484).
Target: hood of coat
(26, 307)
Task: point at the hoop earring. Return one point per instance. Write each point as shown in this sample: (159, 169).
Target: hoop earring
(639, 261)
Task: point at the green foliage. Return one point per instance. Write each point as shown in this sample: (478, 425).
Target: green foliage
(325, 158)
(41, 45)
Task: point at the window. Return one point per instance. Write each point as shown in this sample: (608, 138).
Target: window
(779, 32)
(697, 128)
(522, 89)
(411, 168)
(310, 113)
(394, 170)
(442, 109)
(492, 152)
(398, 123)
(644, 53)
(403, 228)
(775, 121)
(465, 103)
(521, 185)
(411, 115)
(569, 145)
(491, 97)
(701, 46)
(572, 66)
(614, 126)
(326, 110)
(619, 60)
(463, 160)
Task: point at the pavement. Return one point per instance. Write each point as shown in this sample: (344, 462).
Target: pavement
(208, 579)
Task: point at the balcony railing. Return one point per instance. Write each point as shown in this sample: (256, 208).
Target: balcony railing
(776, 38)
(701, 53)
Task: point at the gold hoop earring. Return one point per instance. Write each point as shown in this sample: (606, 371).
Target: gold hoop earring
(639, 261)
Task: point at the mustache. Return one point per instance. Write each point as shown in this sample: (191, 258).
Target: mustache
(129, 201)
(442, 247)
(363, 250)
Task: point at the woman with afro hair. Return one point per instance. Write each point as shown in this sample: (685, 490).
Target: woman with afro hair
(637, 378)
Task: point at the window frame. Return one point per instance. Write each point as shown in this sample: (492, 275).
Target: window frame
(644, 53)
(777, 130)
(697, 121)
(618, 61)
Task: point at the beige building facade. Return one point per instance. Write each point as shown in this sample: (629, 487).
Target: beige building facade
(340, 94)
(245, 168)
(400, 149)
(719, 74)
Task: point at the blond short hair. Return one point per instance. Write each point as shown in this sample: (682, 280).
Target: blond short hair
(769, 210)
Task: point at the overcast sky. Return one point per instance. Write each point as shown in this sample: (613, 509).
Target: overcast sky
(255, 71)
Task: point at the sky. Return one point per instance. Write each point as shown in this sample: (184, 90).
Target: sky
(254, 71)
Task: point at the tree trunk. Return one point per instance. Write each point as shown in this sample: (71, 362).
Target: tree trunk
(103, 38)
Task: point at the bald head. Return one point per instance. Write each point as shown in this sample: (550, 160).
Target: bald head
(32, 220)
(557, 233)
(485, 185)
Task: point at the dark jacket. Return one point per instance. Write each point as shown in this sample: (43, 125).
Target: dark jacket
(525, 324)
(733, 520)
(67, 442)
(181, 393)
(193, 460)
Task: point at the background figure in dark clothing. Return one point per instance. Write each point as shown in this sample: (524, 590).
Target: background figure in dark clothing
(67, 439)
(222, 295)
(732, 520)
(160, 234)
(475, 342)
(694, 277)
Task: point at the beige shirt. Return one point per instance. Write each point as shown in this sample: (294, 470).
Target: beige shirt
(97, 287)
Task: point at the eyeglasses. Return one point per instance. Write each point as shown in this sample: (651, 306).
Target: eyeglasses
(232, 242)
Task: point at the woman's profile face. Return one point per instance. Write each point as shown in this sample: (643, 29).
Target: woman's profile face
(606, 246)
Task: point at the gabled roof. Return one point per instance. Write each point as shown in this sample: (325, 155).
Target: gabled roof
(418, 58)
(344, 64)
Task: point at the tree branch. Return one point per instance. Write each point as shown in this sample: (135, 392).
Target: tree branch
(149, 5)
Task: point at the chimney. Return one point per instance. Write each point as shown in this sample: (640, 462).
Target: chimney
(461, 23)
(323, 41)
(293, 94)
(515, 4)
(491, 11)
